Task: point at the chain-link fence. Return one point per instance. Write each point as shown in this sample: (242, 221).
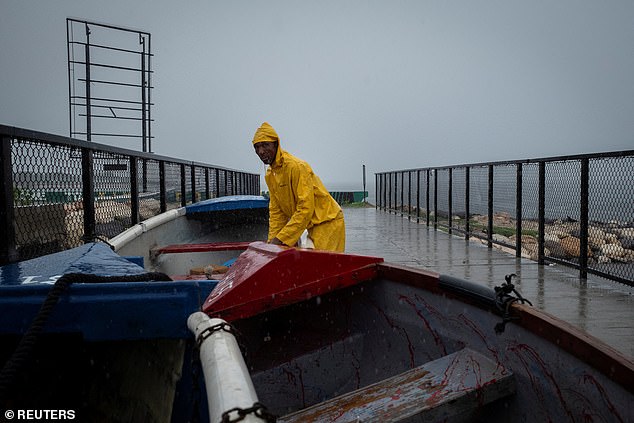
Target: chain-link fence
(57, 193)
(575, 210)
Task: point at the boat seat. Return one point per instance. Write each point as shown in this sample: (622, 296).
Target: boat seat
(199, 248)
(454, 385)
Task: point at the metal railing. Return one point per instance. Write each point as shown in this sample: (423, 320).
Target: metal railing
(577, 210)
(57, 192)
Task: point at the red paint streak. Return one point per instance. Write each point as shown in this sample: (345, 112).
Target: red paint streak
(426, 306)
(532, 356)
(410, 347)
(437, 396)
(296, 379)
(462, 320)
(397, 394)
(357, 367)
(590, 379)
(338, 416)
(493, 350)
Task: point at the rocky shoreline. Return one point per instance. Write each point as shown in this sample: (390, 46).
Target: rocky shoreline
(608, 242)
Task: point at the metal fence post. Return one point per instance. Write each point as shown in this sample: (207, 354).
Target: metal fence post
(518, 211)
(583, 219)
(402, 191)
(427, 197)
(395, 205)
(466, 203)
(88, 193)
(389, 193)
(217, 186)
(162, 187)
(183, 186)
(450, 200)
(384, 194)
(418, 196)
(490, 209)
(435, 199)
(541, 211)
(192, 173)
(134, 190)
(409, 194)
(8, 251)
(88, 81)
(207, 190)
(376, 190)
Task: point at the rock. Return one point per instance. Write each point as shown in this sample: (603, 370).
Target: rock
(555, 248)
(528, 240)
(532, 225)
(570, 227)
(531, 251)
(572, 247)
(148, 208)
(624, 232)
(627, 242)
(595, 232)
(612, 251)
(595, 242)
(502, 239)
(551, 238)
(504, 249)
(503, 219)
(558, 232)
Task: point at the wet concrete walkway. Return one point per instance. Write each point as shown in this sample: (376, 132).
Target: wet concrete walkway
(603, 308)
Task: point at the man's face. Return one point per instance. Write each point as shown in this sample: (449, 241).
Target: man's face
(266, 151)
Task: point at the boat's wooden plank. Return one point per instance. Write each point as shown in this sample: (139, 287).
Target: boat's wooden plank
(452, 385)
(201, 248)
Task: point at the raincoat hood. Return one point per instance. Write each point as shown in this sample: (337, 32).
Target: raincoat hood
(265, 133)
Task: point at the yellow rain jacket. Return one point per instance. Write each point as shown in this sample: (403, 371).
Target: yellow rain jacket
(299, 200)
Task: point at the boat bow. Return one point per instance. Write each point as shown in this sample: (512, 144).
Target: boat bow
(268, 276)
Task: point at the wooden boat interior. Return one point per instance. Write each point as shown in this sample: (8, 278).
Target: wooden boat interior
(402, 344)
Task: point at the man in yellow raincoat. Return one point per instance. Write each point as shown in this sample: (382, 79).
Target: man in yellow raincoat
(299, 201)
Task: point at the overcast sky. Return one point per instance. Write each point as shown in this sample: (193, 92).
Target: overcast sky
(388, 84)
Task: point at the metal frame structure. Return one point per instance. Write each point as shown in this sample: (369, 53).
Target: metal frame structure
(109, 80)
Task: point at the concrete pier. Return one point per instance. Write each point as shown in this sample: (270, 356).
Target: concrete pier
(603, 308)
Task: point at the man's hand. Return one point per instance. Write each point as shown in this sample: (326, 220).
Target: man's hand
(276, 241)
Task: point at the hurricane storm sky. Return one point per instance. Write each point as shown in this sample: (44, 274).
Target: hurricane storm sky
(386, 84)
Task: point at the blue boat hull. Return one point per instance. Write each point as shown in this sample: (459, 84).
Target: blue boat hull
(120, 348)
